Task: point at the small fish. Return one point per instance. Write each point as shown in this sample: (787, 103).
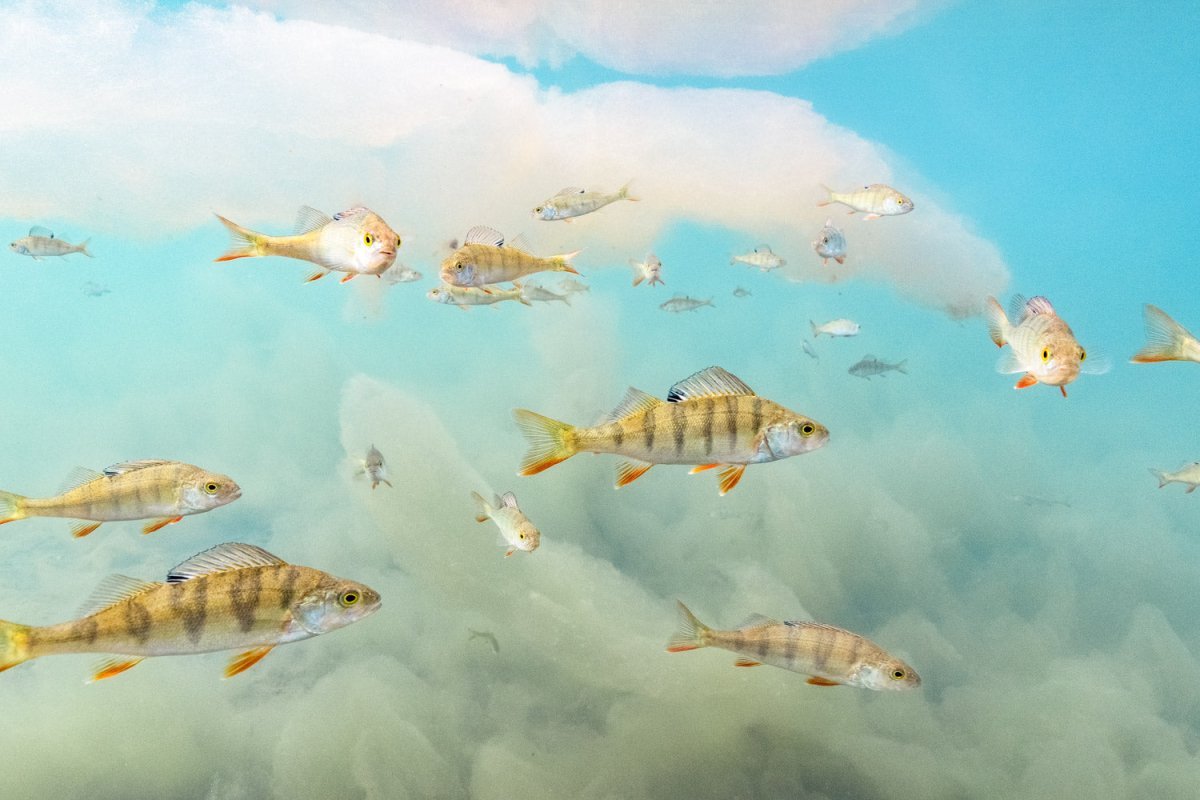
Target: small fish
(41, 243)
(830, 243)
(572, 286)
(93, 289)
(1043, 502)
(740, 292)
(374, 468)
(682, 302)
(575, 202)
(869, 365)
(1188, 474)
(485, 259)
(711, 419)
(1166, 340)
(516, 531)
(400, 274)
(356, 241)
(877, 200)
(162, 491)
(487, 636)
(466, 296)
(761, 257)
(230, 597)
(649, 270)
(835, 327)
(1041, 344)
(808, 348)
(830, 656)
(539, 294)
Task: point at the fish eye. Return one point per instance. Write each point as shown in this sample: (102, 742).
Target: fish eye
(898, 674)
(397, 241)
(368, 239)
(807, 429)
(459, 266)
(521, 536)
(1082, 354)
(348, 598)
(211, 487)
(537, 210)
(1045, 354)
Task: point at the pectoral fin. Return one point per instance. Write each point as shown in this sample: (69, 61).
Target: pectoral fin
(114, 666)
(1026, 381)
(316, 276)
(244, 661)
(747, 662)
(81, 529)
(815, 681)
(628, 472)
(729, 477)
(159, 524)
(702, 468)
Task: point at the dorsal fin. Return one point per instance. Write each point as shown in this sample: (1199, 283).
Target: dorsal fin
(38, 230)
(868, 357)
(509, 500)
(308, 219)
(518, 242)
(755, 620)
(482, 234)
(569, 190)
(223, 557)
(1038, 305)
(764, 248)
(113, 590)
(635, 401)
(78, 477)
(133, 466)
(711, 382)
(349, 213)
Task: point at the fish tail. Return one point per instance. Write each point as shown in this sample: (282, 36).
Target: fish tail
(14, 644)
(550, 441)
(12, 507)
(1162, 477)
(561, 264)
(82, 247)
(691, 634)
(485, 508)
(813, 325)
(997, 322)
(900, 367)
(1165, 338)
(521, 294)
(624, 193)
(245, 242)
(827, 200)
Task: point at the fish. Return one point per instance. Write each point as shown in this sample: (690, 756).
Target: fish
(161, 491)
(356, 241)
(93, 289)
(740, 292)
(539, 294)
(711, 419)
(575, 202)
(1166, 340)
(572, 286)
(1034, 501)
(42, 243)
(374, 468)
(649, 270)
(485, 259)
(516, 531)
(869, 365)
(1041, 344)
(400, 274)
(230, 597)
(1188, 474)
(877, 200)
(466, 296)
(761, 257)
(830, 243)
(835, 327)
(487, 636)
(682, 302)
(806, 345)
(830, 656)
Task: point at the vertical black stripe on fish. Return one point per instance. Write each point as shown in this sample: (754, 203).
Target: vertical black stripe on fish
(731, 420)
(288, 590)
(677, 425)
(83, 630)
(137, 620)
(648, 428)
(762, 647)
(826, 640)
(706, 427)
(618, 434)
(189, 602)
(243, 596)
(791, 646)
(756, 417)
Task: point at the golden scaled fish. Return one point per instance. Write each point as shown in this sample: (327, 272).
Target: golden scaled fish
(485, 259)
(161, 491)
(830, 656)
(1166, 340)
(230, 597)
(1040, 343)
(877, 200)
(516, 531)
(356, 241)
(711, 420)
(42, 243)
(466, 296)
(575, 202)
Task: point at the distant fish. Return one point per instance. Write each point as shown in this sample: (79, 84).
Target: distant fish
(1167, 340)
(572, 286)
(835, 327)
(487, 636)
(1188, 474)
(466, 296)
(93, 289)
(869, 365)
(516, 531)
(374, 468)
(711, 419)
(575, 202)
(1035, 501)
(356, 241)
(1040, 343)
(682, 302)
(762, 257)
(400, 274)
(806, 345)
(162, 491)
(485, 259)
(740, 292)
(877, 200)
(830, 243)
(41, 243)
(649, 270)
(230, 597)
(830, 656)
(539, 294)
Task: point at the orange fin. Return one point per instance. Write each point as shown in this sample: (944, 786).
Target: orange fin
(510, 551)
(81, 529)
(316, 276)
(701, 468)
(747, 662)
(628, 472)
(349, 277)
(815, 681)
(159, 524)
(1063, 389)
(682, 648)
(244, 661)
(730, 476)
(1026, 381)
(114, 666)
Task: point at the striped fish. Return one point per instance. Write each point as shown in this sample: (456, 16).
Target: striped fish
(230, 597)
(711, 420)
(830, 656)
(484, 259)
(877, 200)
(1041, 344)
(161, 491)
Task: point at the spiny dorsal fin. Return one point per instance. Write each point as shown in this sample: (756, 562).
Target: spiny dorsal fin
(350, 213)
(482, 234)
(509, 500)
(635, 402)
(78, 477)
(711, 382)
(764, 248)
(133, 466)
(757, 620)
(222, 558)
(113, 590)
(308, 219)
(1038, 305)
(569, 190)
(38, 230)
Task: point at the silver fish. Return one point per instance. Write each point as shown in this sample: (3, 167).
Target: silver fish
(761, 257)
(398, 273)
(835, 327)
(93, 289)
(466, 296)
(830, 243)
(806, 345)
(41, 243)
(877, 200)
(575, 202)
(649, 270)
(681, 302)
(539, 294)
(870, 365)
(487, 636)
(572, 286)
(374, 468)
(740, 292)
(1188, 474)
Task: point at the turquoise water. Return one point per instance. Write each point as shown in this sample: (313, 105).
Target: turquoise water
(1011, 546)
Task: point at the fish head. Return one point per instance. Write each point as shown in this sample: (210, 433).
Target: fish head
(896, 203)
(546, 211)
(375, 243)
(374, 458)
(890, 674)
(334, 603)
(526, 536)
(207, 490)
(20, 246)
(459, 270)
(793, 435)
(1057, 358)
